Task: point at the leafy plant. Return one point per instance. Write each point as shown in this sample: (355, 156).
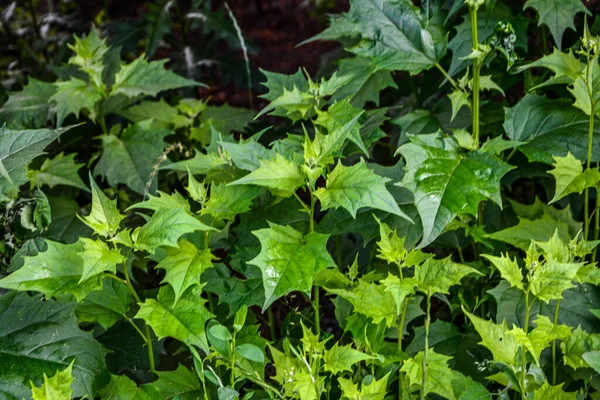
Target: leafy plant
(424, 229)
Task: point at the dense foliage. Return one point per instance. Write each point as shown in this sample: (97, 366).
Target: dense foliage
(421, 220)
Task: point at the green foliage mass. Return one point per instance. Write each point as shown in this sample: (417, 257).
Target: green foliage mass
(417, 220)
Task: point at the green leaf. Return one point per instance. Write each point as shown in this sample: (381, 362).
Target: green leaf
(105, 306)
(371, 300)
(29, 108)
(196, 189)
(437, 276)
(444, 337)
(342, 358)
(539, 225)
(56, 388)
(73, 96)
(247, 156)
(17, 149)
(564, 65)
(551, 278)
(226, 202)
(281, 176)
(441, 380)
(356, 187)
(496, 338)
(544, 334)
(390, 247)
(165, 201)
(60, 170)
(446, 183)
(130, 159)
(149, 78)
(42, 213)
(57, 270)
(97, 258)
(509, 269)
(251, 351)
(593, 359)
(235, 292)
(586, 89)
(321, 151)
(181, 383)
(105, 217)
(165, 227)
(400, 289)
(551, 128)
(341, 121)
(570, 177)
(289, 261)
(364, 82)
(276, 83)
(394, 35)
(557, 15)
(458, 99)
(553, 392)
(186, 322)
(121, 387)
(23, 359)
(373, 390)
(294, 104)
(89, 53)
(162, 114)
(579, 343)
(184, 265)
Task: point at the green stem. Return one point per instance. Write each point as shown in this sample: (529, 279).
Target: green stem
(232, 366)
(424, 365)
(596, 222)
(147, 328)
(316, 304)
(554, 344)
(447, 76)
(476, 70)
(524, 353)
(400, 331)
(586, 204)
(138, 330)
(271, 324)
(301, 202)
(316, 300)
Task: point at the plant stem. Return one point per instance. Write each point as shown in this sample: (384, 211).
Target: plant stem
(447, 76)
(476, 70)
(596, 223)
(101, 119)
(147, 328)
(424, 365)
(316, 299)
(232, 366)
(316, 304)
(400, 331)
(138, 330)
(554, 344)
(586, 204)
(271, 323)
(524, 354)
(301, 202)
